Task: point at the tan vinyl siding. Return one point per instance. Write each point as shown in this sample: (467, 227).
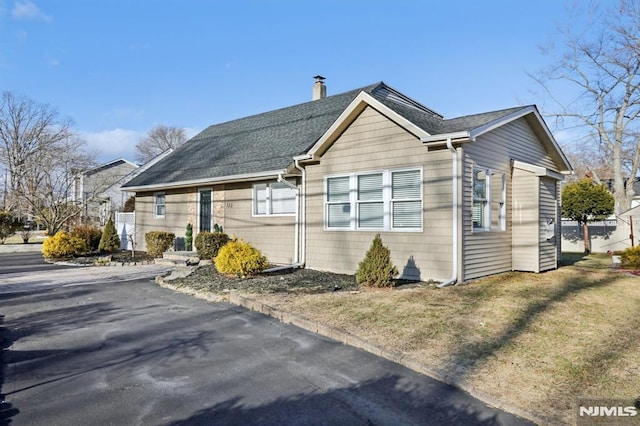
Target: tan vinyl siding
(525, 221)
(180, 210)
(516, 248)
(484, 252)
(548, 211)
(513, 141)
(273, 235)
(373, 143)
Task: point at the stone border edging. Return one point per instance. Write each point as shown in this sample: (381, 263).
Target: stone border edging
(354, 341)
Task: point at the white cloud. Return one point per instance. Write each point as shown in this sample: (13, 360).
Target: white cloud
(113, 144)
(25, 10)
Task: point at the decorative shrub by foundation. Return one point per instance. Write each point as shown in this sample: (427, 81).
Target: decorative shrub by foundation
(90, 234)
(63, 245)
(158, 242)
(376, 269)
(240, 258)
(208, 244)
(110, 242)
(630, 257)
(188, 237)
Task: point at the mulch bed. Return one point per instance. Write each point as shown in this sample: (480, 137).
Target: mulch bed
(299, 281)
(289, 280)
(120, 257)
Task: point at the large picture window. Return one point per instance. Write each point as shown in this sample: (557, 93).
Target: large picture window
(489, 200)
(274, 199)
(382, 200)
(159, 206)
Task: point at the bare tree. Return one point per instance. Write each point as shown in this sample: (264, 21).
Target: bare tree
(26, 129)
(602, 63)
(39, 152)
(158, 140)
(47, 190)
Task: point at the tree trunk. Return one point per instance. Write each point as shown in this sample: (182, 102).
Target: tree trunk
(585, 233)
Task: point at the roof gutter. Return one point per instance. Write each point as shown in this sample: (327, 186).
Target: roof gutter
(222, 179)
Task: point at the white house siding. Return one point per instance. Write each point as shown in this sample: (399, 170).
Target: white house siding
(273, 235)
(180, 206)
(490, 252)
(548, 211)
(373, 142)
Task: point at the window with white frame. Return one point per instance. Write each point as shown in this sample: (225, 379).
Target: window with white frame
(274, 198)
(382, 200)
(489, 200)
(159, 206)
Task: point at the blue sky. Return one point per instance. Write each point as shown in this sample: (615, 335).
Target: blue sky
(119, 67)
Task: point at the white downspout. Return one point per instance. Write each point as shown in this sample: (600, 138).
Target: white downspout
(296, 240)
(454, 210)
(303, 211)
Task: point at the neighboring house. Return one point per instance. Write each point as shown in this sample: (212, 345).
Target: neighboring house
(312, 184)
(98, 190)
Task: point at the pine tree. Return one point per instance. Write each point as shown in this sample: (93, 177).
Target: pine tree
(110, 242)
(376, 269)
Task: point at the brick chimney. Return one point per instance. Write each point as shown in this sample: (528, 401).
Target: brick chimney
(319, 89)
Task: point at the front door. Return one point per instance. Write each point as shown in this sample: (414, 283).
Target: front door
(205, 210)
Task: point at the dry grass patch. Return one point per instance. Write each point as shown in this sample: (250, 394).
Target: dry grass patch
(537, 341)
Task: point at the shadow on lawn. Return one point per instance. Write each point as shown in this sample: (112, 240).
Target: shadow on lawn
(472, 355)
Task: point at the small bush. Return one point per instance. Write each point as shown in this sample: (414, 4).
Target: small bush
(158, 242)
(241, 259)
(9, 225)
(63, 245)
(630, 258)
(90, 234)
(109, 242)
(208, 244)
(376, 269)
(188, 237)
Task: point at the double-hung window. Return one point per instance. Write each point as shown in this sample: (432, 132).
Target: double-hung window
(489, 200)
(159, 206)
(387, 200)
(274, 198)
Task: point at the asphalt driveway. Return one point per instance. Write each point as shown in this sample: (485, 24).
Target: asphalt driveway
(125, 351)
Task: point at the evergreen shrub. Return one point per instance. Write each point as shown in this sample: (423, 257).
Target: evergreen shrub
(188, 237)
(109, 242)
(9, 225)
(208, 244)
(240, 258)
(376, 269)
(63, 245)
(90, 234)
(630, 257)
(158, 242)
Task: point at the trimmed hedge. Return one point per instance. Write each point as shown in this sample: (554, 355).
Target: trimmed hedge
(90, 234)
(158, 242)
(208, 244)
(240, 258)
(63, 245)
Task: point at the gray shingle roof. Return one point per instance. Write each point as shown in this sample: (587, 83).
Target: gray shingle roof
(269, 141)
